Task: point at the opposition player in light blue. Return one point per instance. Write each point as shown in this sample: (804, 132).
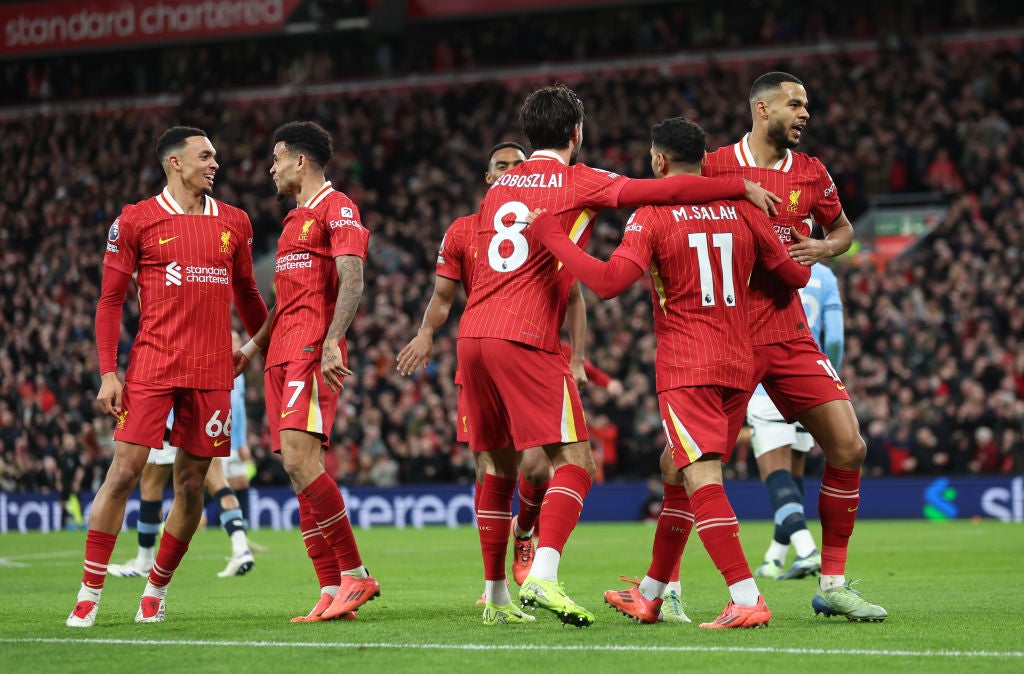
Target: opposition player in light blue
(781, 449)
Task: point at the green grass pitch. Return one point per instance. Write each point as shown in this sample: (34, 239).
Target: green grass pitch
(953, 591)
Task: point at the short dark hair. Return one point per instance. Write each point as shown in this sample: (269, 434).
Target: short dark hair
(502, 146)
(174, 139)
(548, 116)
(308, 138)
(680, 139)
(770, 82)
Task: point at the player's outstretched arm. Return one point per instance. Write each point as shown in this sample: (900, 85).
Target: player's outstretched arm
(607, 279)
(417, 352)
(350, 291)
(692, 189)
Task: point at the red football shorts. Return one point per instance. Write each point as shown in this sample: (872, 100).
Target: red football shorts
(462, 423)
(700, 420)
(517, 395)
(202, 419)
(797, 376)
(299, 399)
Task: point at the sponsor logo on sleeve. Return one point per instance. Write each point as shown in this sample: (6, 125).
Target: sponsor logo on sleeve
(348, 221)
(115, 231)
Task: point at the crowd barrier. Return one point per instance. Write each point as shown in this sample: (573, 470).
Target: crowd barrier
(1000, 498)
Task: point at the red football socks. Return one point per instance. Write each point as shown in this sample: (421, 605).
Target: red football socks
(674, 525)
(493, 521)
(838, 501)
(720, 531)
(563, 504)
(328, 509)
(99, 546)
(325, 564)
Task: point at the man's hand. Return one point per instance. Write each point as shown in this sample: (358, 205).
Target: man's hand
(579, 371)
(241, 362)
(417, 352)
(109, 396)
(615, 388)
(762, 198)
(332, 366)
(806, 250)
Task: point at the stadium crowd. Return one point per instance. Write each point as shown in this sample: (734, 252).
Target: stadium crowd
(397, 46)
(935, 339)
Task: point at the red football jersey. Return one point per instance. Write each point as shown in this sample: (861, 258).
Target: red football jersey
(806, 188)
(458, 251)
(519, 290)
(305, 275)
(700, 257)
(187, 265)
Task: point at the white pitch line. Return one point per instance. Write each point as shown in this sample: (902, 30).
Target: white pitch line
(511, 647)
(53, 554)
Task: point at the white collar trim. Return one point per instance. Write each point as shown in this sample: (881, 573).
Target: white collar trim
(746, 158)
(548, 154)
(315, 200)
(167, 202)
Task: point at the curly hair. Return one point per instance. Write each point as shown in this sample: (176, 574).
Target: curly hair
(680, 139)
(308, 138)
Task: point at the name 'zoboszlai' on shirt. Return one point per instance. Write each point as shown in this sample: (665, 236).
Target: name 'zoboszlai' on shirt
(532, 180)
(293, 261)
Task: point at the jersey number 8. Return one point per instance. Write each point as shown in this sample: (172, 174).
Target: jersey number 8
(513, 234)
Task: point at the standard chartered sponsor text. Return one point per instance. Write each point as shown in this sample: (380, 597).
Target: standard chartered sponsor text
(294, 261)
(207, 275)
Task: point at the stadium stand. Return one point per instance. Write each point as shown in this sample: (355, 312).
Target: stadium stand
(935, 357)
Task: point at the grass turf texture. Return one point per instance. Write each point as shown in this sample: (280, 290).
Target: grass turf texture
(953, 591)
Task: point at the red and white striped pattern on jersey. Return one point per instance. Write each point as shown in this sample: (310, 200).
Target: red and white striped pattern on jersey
(519, 290)
(186, 267)
(306, 276)
(458, 251)
(699, 257)
(776, 313)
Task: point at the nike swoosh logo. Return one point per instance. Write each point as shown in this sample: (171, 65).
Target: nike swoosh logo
(284, 414)
(218, 443)
(162, 240)
(850, 510)
(89, 583)
(840, 387)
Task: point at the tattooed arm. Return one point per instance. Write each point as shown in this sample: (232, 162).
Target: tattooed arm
(350, 291)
